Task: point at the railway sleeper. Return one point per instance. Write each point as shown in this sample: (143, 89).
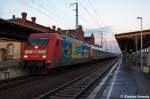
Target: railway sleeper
(75, 87)
(68, 92)
(74, 90)
(79, 86)
(57, 97)
(63, 95)
(82, 83)
(84, 96)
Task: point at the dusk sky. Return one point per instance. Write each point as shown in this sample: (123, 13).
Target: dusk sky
(119, 15)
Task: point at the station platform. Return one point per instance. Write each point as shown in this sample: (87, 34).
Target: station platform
(125, 83)
(9, 64)
(11, 69)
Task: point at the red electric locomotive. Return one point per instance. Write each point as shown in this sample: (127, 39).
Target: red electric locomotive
(41, 48)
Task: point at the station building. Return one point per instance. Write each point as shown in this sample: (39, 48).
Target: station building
(10, 49)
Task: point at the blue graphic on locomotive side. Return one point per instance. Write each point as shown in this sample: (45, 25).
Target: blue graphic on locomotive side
(66, 51)
(77, 50)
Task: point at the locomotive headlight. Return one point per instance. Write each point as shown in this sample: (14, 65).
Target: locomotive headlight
(44, 56)
(28, 52)
(42, 51)
(25, 56)
(36, 47)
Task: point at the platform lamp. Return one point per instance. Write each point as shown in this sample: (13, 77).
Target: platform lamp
(141, 19)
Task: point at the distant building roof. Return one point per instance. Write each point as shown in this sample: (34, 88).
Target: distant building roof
(87, 38)
(30, 24)
(72, 32)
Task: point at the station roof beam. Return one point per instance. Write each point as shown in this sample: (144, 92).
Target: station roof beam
(127, 41)
(9, 30)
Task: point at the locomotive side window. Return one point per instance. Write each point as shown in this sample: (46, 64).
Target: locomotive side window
(38, 41)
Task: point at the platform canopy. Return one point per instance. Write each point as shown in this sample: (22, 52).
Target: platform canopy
(12, 31)
(127, 41)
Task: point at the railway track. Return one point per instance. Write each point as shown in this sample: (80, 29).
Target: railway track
(25, 79)
(20, 80)
(30, 88)
(78, 87)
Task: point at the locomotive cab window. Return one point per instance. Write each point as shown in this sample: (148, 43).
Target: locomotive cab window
(38, 41)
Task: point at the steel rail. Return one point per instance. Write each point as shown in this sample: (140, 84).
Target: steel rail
(77, 85)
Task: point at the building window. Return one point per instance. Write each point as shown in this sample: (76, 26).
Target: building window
(10, 49)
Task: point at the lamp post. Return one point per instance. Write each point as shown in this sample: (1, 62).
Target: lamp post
(141, 19)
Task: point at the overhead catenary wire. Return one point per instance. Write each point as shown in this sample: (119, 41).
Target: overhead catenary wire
(96, 14)
(46, 9)
(95, 19)
(42, 12)
(81, 19)
(88, 13)
(60, 11)
(56, 8)
(65, 12)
